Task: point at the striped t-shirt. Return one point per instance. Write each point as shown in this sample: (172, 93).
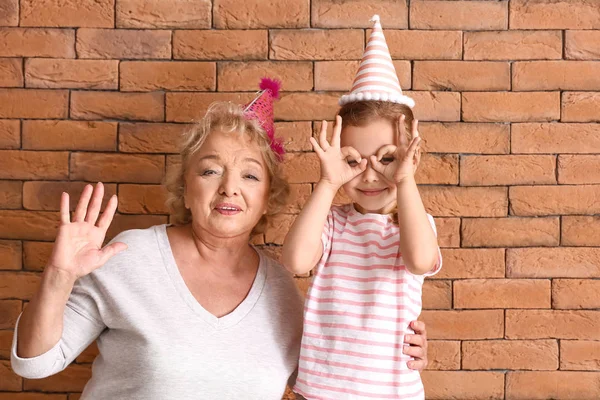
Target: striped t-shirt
(358, 308)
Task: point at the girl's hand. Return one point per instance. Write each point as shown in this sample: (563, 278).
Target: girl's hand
(78, 247)
(338, 165)
(397, 163)
(415, 345)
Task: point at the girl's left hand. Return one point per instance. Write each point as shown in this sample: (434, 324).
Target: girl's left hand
(397, 163)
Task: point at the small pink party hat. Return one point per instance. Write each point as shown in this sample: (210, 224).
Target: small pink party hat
(261, 108)
(376, 78)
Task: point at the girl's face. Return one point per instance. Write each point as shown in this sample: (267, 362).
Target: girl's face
(370, 192)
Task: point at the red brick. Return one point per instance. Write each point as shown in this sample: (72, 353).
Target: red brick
(555, 138)
(75, 396)
(575, 293)
(11, 254)
(448, 232)
(542, 14)
(150, 137)
(140, 76)
(142, 199)
(18, 285)
(577, 169)
(467, 324)
(510, 106)
(72, 379)
(510, 232)
(9, 13)
(140, 168)
(9, 312)
(255, 14)
(36, 255)
(513, 45)
(437, 169)
(299, 194)
(459, 15)
(9, 381)
(88, 355)
(465, 138)
(550, 200)
(244, 76)
(463, 385)
(552, 324)
(10, 194)
(542, 385)
(423, 44)
(471, 263)
(337, 44)
(580, 107)
(28, 225)
(69, 135)
(556, 75)
(437, 295)
(580, 231)
(71, 74)
(37, 42)
(123, 43)
(23, 103)
(189, 107)
(356, 13)
(158, 14)
(502, 293)
(32, 396)
(10, 134)
(302, 168)
(11, 71)
(123, 223)
(220, 45)
(307, 106)
(15, 164)
(6, 338)
(510, 354)
(278, 227)
(339, 75)
(452, 201)
(461, 75)
(443, 355)
(295, 135)
(69, 13)
(436, 106)
(127, 106)
(579, 355)
(582, 45)
(507, 170)
(567, 262)
(45, 196)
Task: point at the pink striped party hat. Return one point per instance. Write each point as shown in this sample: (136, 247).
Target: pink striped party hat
(376, 78)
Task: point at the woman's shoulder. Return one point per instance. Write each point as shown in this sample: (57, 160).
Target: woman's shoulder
(141, 238)
(280, 280)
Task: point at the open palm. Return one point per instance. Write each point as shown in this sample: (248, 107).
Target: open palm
(78, 247)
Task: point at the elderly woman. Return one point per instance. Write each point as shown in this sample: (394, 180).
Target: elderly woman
(189, 310)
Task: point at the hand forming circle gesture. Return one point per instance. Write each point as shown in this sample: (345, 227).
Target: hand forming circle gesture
(78, 247)
(396, 163)
(335, 169)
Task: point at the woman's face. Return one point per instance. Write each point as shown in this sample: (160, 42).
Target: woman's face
(227, 185)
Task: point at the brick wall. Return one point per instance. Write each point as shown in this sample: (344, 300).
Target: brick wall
(508, 94)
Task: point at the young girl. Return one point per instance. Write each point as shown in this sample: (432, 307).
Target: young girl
(371, 255)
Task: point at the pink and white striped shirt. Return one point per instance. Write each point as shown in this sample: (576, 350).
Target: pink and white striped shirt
(358, 308)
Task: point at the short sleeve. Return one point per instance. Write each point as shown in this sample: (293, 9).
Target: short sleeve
(438, 265)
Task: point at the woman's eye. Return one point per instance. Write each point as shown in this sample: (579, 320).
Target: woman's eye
(209, 172)
(253, 177)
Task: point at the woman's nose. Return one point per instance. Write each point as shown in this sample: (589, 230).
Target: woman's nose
(229, 185)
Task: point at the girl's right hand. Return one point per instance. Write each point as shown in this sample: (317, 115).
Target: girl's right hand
(78, 248)
(335, 169)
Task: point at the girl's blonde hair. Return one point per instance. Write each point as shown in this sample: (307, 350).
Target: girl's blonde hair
(228, 118)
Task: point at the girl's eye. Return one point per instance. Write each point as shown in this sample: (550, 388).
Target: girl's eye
(387, 160)
(352, 163)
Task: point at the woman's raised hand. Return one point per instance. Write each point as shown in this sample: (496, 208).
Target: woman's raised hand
(338, 165)
(78, 247)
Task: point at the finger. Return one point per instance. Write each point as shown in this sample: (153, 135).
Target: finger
(111, 250)
(323, 136)
(415, 129)
(94, 207)
(82, 205)
(362, 165)
(415, 340)
(65, 217)
(413, 351)
(419, 328)
(412, 149)
(417, 365)
(349, 151)
(384, 150)
(337, 132)
(376, 165)
(402, 139)
(316, 146)
(108, 214)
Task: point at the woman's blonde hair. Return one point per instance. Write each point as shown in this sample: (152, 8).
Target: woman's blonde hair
(226, 117)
